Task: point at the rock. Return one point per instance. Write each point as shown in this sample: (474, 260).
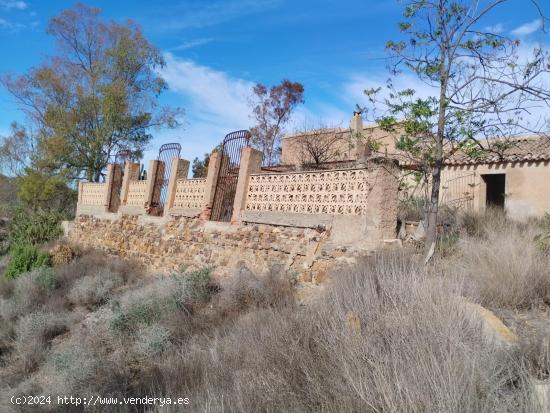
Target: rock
(494, 329)
(541, 394)
(420, 232)
(393, 243)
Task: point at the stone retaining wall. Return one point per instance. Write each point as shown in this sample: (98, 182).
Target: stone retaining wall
(166, 245)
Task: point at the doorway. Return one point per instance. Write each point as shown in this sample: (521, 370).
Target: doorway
(495, 190)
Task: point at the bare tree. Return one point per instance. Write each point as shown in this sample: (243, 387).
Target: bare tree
(320, 144)
(484, 86)
(272, 109)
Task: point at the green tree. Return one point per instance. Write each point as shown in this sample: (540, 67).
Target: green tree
(96, 96)
(16, 151)
(272, 109)
(49, 193)
(482, 88)
(200, 168)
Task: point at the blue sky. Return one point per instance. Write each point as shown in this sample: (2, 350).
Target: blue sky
(216, 50)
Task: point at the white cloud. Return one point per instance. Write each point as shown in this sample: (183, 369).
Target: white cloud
(4, 24)
(213, 92)
(205, 14)
(353, 89)
(215, 103)
(13, 4)
(495, 29)
(527, 28)
(193, 43)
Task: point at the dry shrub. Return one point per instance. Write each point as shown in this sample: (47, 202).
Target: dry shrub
(93, 290)
(537, 354)
(386, 337)
(245, 290)
(62, 254)
(92, 261)
(33, 334)
(505, 266)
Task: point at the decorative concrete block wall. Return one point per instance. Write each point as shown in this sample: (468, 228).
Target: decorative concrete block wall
(343, 192)
(137, 194)
(189, 199)
(93, 193)
(357, 205)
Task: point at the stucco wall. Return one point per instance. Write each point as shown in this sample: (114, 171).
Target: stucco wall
(344, 148)
(527, 188)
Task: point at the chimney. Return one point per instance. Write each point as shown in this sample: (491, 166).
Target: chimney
(362, 152)
(357, 123)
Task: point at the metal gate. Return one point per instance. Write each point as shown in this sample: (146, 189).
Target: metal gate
(459, 191)
(167, 153)
(226, 185)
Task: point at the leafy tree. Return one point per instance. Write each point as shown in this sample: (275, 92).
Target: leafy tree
(482, 88)
(200, 168)
(96, 96)
(16, 151)
(272, 109)
(49, 193)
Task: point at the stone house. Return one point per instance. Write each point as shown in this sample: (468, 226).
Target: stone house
(517, 179)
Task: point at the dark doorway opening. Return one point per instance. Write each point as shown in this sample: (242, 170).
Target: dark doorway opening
(496, 188)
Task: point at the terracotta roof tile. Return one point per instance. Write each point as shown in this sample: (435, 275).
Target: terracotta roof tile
(522, 149)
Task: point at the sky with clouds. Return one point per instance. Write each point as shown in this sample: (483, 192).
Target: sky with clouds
(216, 50)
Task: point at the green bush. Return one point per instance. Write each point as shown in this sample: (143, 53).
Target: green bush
(25, 258)
(152, 340)
(136, 315)
(196, 285)
(47, 279)
(34, 227)
(543, 239)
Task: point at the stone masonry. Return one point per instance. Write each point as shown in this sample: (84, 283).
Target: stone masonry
(303, 253)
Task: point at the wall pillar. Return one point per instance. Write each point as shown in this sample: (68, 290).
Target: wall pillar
(381, 213)
(152, 190)
(131, 173)
(80, 191)
(180, 169)
(251, 162)
(211, 180)
(108, 186)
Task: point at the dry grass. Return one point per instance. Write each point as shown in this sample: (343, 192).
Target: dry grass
(505, 265)
(387, 335)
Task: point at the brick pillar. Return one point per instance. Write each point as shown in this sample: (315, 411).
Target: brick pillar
(115, 186)
(154, 182)
(80, 194)
(131, 173)
(80, 191)
(180, 169)
(108, 186)
(251, 162)
(211, 180)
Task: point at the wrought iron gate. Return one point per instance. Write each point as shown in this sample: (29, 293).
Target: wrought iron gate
(167, 153)
(226, 185)
(459, 191)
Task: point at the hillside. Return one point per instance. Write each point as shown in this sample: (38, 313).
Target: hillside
(386, 334)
